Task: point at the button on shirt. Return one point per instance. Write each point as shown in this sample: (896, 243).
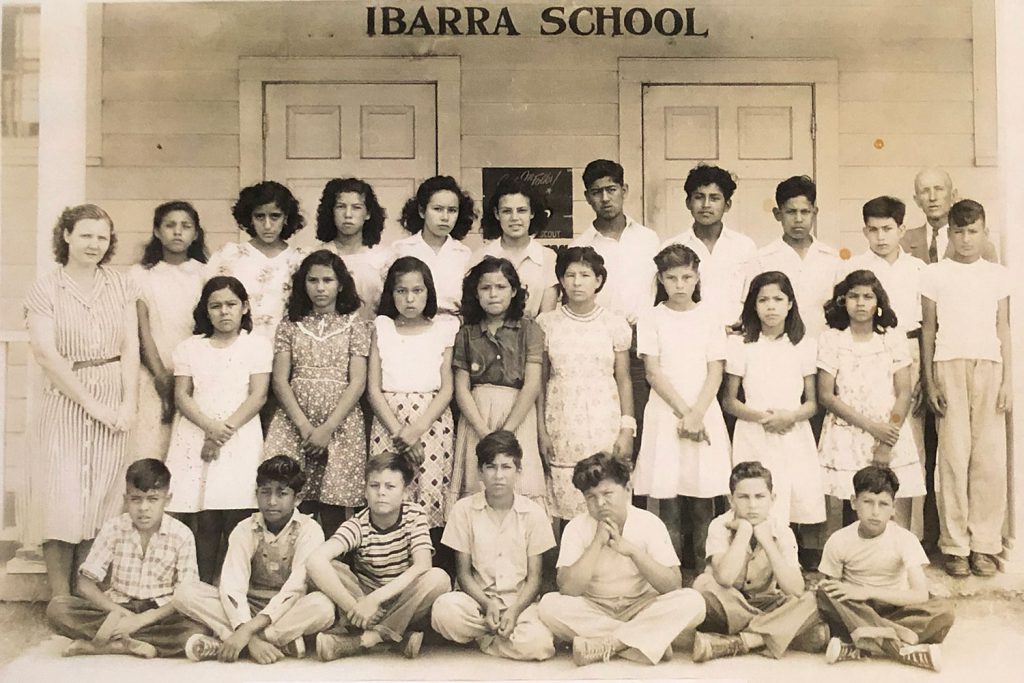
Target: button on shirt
(629, 261)
(901, 280)
(498, 358)
(242, 545)
(757, 575)
(721, 270)
(448, 266)
(812, 276)
(499, 550)
(136, 574)
(535, 265)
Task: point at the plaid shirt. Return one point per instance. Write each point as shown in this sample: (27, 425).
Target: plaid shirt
(169, 560)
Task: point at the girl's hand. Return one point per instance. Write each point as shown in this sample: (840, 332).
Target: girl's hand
(408, 436)
(686, 432)
(546, 449)
(1004, 399)
(415, 453)
(936, 396)
(125, 417)
(885, 432)
(778, 421)
(881, 454)
(164, 384)
(692, 423)
(316, 442)
(305, 430)
(210, 452)
(102, 413)
(624, 443)
(219, 432)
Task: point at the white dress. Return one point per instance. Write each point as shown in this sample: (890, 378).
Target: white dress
(669, 465)
(170, 293)
(267, 280)
(773, 372)
(220, 378)
(368, 267)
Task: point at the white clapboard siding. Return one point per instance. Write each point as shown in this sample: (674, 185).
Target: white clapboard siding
(131, 182)
(170, 149)
(170, 117)
(173, 85)
(534, 118)
(581, 85)
(136, 215)
(905, 86)
(875, 118)
(532, 150)
(856, 149)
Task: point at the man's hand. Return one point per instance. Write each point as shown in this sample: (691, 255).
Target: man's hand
(492, 615)
(1004, 400)
(508, 622)
(106, 630)
(936, 396)
(763, 533)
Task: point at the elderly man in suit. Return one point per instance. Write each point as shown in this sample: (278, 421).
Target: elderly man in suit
(934, 194)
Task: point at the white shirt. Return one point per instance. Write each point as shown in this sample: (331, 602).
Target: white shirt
(966, 297)
(812, 277)
(901, 280)
(412, 362)
(629, 261)
(722, 270)
(368, 266)
(535, 265)
(773, 370)
(448, 266)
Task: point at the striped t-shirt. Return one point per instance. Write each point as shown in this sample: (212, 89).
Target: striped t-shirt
(381, 555)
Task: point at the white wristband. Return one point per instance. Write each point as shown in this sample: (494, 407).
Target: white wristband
(628, 422)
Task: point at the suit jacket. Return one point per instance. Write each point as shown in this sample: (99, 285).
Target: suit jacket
(915, 243)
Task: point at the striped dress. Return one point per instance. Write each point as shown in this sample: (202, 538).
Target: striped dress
(84, 460)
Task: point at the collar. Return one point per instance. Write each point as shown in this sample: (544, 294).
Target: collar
(478, 501)
(162, 530)
(260, 524)
(816, 246)
(449, 244)
(534, 250)
(592, 233)
(512, 324)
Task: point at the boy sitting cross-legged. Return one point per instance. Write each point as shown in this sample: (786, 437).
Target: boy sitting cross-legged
(263, 577)
(877, 595)
(145, 554)
(753, 586)
(499, 538)
(391, 583)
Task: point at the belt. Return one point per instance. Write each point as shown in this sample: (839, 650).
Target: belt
(914, 334)
(79, 364)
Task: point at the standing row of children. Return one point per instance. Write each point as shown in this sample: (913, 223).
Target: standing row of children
(619, 593)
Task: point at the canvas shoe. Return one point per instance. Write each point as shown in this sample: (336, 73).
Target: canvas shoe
(922, 656)
(590, 650)
(411, 645)
(708, 646)
(296, 648)
(838, 651)
(330, 646)
(200, 648)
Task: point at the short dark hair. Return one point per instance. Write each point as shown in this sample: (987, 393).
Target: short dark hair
(283, 470)
(752, 469)
(884, 207)
(585, 255)
(750, 323)
(836, 315)
(470, 308)
(396, 462)
(411, 219)
(268, 192)
(702, 175)
(148, 474)
(591, 471)
(501, 442)
(403, 266)
(66, 223)
(676, 256)
(490, 226)
(965, 212)
(299, 303)
(201, 317)
(875, 479)
(327, 230)
(603, 168)
(153, 253)
(796, 186)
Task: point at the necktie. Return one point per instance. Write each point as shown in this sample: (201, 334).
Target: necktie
(933, 247)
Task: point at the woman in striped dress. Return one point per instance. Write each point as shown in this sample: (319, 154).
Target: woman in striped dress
(83, 330)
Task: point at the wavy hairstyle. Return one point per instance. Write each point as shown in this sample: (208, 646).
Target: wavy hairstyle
(835, 308)
(676, 256)
(203, 325)
(327, 230)
(411, 219)
(153, 253)
(268, 192)
(490, 226)
(299, 303)
(750, 323)
(403, 266)
(66, 223)
(588, 256)
(703, 175)
(471, 310)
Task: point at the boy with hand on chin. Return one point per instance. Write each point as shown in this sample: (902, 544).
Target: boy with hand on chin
(145, 554)
(499, 538)
(753, 586)
(391, 584)
(876, 597)
(264, 572)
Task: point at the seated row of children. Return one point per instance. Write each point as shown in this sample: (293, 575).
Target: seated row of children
(619, 584)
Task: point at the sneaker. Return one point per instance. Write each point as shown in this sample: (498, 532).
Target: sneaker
(838, 651)
(296, 648)
(923, 656)
(814, 639)
(708, 646)
(330, 646)
(957, 566)
(983, 565)
(412, 644)
(199, 648)
(590, 650)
